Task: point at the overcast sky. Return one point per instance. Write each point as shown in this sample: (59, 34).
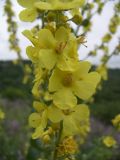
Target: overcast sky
(100, 24)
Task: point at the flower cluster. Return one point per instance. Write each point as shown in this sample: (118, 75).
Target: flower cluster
(34, 8)
(62, 82)
(67, 147)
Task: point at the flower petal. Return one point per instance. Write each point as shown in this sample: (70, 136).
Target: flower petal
(69, 127)
(77, 122)
(34, 120)
(28, 34)
(67, 64)
(28, 15)
(62, 35)
(93, 78)
(55, 114)
(38, 106)
(35, 90)
(82, 70)
(32, 53)
(43, 5)
(48, 58)
(81, 116)
(86, 87)
(40, 129)
(64, 99)
(27, 3)
(55, 80)
(58, 5)
(71, 47)
(38, 132)
(46, 39)
(83, 90)
(68, 5)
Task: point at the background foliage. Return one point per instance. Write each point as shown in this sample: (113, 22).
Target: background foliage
(16, 103)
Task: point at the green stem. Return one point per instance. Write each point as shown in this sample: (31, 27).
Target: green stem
(77, 30)
(86, 57)
(43, 20)
(58, 141)
(57, 18)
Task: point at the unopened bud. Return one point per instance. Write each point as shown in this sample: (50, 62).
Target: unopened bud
(77, 19)
(46, 139)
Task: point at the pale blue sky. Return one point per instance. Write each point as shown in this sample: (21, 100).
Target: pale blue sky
(93, 38)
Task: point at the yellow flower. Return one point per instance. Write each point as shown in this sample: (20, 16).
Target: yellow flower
(109, 141)
(67, 85)
(37, 81)
(116, 121)
(102, 70)
(67, 147)
(77, 122)
(60, 50)
(50, 50)
(33, 7)
(33, 54)
(2, 114)
(59, 4)
(32, 37)
(30, 13)
(39, 119)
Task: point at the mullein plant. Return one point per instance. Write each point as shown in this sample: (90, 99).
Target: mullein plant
(113, 26)
(106, 39)
(14, 41)
(12, 29)
(62, 83)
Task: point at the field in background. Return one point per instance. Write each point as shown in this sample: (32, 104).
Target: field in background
(16, 101)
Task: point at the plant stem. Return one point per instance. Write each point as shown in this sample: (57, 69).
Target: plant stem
(58, 141)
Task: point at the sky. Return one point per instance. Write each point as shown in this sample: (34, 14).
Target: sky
(100, 23)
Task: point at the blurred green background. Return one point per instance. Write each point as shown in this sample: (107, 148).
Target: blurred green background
(16, 102)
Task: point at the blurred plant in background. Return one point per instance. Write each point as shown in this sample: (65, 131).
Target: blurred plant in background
(2, 114)
(58, 124)
(12, 29)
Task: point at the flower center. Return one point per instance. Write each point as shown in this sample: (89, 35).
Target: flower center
(67, 112)
(60, 47)
(67, 80)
